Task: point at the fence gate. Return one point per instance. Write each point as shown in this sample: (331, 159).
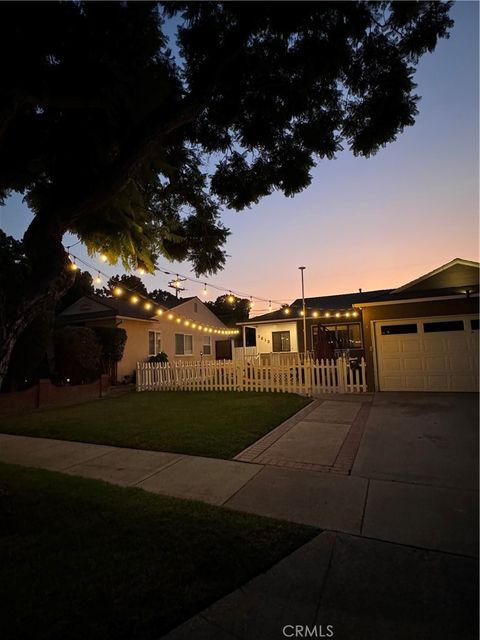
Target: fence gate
(308, 378)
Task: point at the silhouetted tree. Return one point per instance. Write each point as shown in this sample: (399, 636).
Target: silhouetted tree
(108, 135)
(230, 312)
(82, 286)
(130, 282)
(164, 297)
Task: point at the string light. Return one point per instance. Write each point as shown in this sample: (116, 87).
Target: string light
(147, 305)
(159, 312)
(98, 280)
(205, 291)
(117, 291)
(103, 257)
(134, 299)
(231, 298)
(269, 305)
(141, 271)
(286, 311)
(251, 302)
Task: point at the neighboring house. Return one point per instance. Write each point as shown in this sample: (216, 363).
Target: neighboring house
(176, 331)
(334, 327)
(421, 336)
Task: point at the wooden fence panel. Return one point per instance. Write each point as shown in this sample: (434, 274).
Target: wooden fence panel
(309, 378)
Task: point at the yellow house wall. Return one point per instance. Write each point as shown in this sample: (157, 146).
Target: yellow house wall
(197, 313)
(136, 347)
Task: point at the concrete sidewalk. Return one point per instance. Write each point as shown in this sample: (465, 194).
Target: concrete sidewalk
(437, 518)
(355, 588)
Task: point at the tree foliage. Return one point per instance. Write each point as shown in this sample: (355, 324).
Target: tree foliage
(129, 281)
(110, 136)
(230, 312)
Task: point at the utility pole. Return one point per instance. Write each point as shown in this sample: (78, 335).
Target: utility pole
(304, 317)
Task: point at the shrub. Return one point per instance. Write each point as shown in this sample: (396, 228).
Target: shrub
(77, 354)
(160, 357)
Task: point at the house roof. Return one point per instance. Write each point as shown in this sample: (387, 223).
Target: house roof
(338, 302)
(457, 272)
(453, 279)
(108, 308)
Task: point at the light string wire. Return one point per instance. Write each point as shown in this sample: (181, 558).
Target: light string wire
(157, 308)
(287, 309)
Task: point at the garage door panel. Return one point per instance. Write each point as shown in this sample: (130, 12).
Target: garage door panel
(430, 361)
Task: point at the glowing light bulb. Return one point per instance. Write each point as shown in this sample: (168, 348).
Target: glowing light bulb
(337, 315)
(73, 266)
(205, 292)
(134, 299)
(103, 257)
(251, 302)
(141, 271)
(354, 314)
(270, 305)
(315, 314)
(98, 280)
(286, 311)
(347, 315)
(178, 320)
(159, 312)
(148, 306)
(117, 291)
(187, 323)
(327, 315)
(194, 326)
(231, 298)
(170, 316)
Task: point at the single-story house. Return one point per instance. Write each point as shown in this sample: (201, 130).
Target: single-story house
(186, 331)
(420, 336)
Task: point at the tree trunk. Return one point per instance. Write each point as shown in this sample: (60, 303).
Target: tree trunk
(50, 279)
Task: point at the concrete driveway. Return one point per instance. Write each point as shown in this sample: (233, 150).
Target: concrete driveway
(423, 438)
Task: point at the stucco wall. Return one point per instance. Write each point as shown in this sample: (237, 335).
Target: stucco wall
(136, 347)
(264, 335)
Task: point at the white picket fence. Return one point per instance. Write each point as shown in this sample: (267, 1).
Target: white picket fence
(309, 378)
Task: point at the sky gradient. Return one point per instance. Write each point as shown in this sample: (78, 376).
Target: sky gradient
(372, 223)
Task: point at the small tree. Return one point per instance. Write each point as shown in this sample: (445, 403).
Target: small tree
(77, 354)
(112, 341)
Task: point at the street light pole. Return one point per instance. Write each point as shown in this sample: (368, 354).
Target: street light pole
(304, 317)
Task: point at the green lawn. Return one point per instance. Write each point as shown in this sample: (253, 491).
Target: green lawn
(209, 423)
(84, 559)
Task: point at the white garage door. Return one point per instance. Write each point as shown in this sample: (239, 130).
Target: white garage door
(427, 354)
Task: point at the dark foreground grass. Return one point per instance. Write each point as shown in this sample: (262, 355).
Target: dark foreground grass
(81, 559)
(209, 423)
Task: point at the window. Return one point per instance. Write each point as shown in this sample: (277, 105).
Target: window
(474, 324)
(345, 336)
(154, 343)
(281, 340)
(395, 329)
(195, 307)
(183, 344)
(207, 345)
(452, 325)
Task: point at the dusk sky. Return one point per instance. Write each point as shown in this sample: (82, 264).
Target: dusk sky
(371, 223)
